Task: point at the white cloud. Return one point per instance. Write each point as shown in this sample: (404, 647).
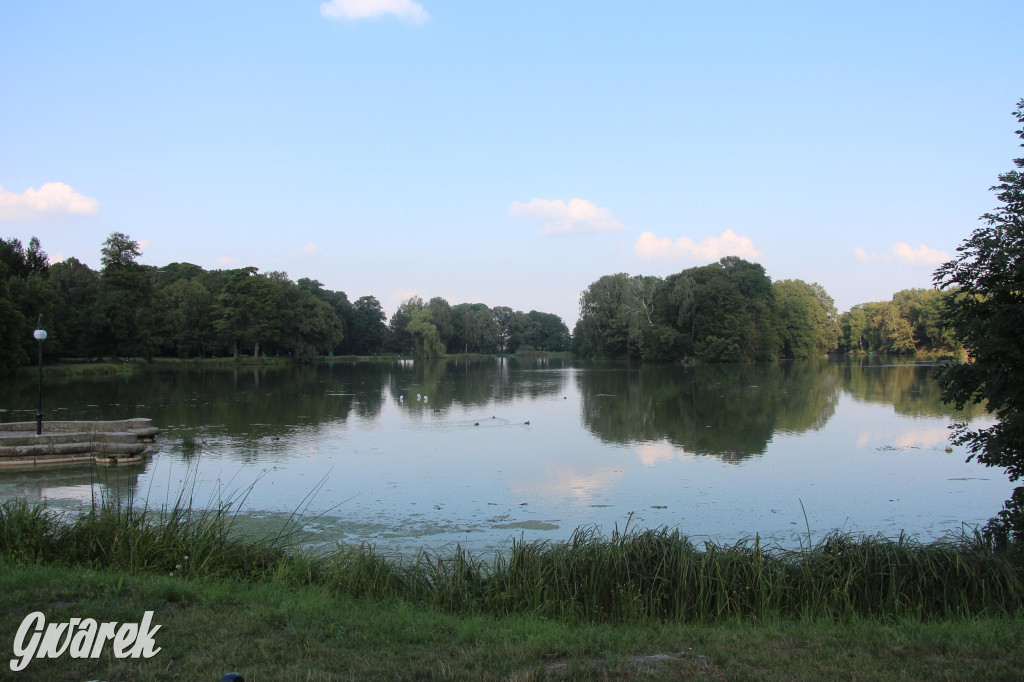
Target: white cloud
(407, 10)
(578, 216)
(922, 255)
(904, 253)
(53, 198)
(863, 256)
(309, 248)
(226, 260)
(650, 246)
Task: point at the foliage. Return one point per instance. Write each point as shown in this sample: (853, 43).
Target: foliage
(911, 322)
(12, 331)
(442, 318)
(368, 330)
(426, 341)
(75, 324)
(603, 326)
(315, 325)
(475, 330)
(722, 312)
(399, 337)
(124, 300)
(181, 310)
(25, 293)
(805, 318)
(987, 314)
(531, 331)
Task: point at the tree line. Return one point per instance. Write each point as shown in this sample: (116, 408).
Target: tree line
(127, 309)
(731, 311)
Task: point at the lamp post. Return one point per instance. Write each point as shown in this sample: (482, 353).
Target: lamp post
(40, 335)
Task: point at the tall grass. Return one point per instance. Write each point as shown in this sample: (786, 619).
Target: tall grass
(116, 534)
(660, 574)
(633, 575)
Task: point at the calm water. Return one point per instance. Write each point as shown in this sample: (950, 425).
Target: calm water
(407, 455)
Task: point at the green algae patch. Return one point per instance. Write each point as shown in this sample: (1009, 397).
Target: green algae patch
(527, 525)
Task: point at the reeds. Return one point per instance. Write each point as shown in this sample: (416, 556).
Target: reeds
(633, 575)
(660, 574)
(112, 535)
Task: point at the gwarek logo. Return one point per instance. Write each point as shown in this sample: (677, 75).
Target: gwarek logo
(81, 638)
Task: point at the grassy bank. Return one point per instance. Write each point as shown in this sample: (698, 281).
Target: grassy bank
(273, 630)
(70, 370)
(79, 368)
(635, 605)
(632, 576)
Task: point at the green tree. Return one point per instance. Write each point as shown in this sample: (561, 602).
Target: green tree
(399, 336)
(922, 308)
(13, 331)
(552, 334)
(369, 331)
(76, 323)
(805, 319)
(475, 329)
(639, 307)
(524, 332)
(854, 325)
(426, 341)
(33, 295)
(36, 259)
(441, 317)
(503, 316)
(603, 328)
(188, 308)
(125, 298)
(316, 327)
(987, 315)
(723, 311)
(896, 335)
(12, 255)
(252, 310)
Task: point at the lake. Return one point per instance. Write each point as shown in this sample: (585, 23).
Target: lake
(406, 454)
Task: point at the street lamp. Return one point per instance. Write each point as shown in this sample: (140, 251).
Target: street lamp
(40, 335)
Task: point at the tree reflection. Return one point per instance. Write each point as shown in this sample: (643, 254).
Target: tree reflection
(909, 387)
(240, 400)
(474, 381)
(730, 411)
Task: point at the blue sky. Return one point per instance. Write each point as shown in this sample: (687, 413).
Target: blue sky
(510, 153)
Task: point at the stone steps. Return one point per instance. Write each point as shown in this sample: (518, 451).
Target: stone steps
(113, 442)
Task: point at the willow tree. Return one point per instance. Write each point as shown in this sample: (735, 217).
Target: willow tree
(426, 341)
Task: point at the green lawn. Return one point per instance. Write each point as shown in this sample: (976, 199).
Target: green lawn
(272, 631)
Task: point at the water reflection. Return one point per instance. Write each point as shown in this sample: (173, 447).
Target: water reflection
(437, 385)
(908, 387)
(730, 411)
(473, 450)
(80, 484)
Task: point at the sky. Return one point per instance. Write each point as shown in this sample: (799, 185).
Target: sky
(509, 153)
